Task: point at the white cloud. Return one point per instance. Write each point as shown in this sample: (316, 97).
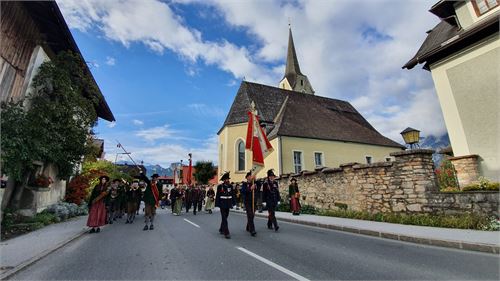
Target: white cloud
(137, 122)
(110, 61)
(154, 24)
(165, 154)
(157, 133)
(111, 124)
(205, 110)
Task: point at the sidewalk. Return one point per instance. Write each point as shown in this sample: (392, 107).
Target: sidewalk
(474, 240)
(19, 252)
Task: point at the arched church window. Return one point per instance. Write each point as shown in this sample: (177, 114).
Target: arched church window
(241, 155)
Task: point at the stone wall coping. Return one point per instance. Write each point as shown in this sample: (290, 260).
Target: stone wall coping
(373, 165)
(285, 176)
(307, 173)
(318, 169)
(464, 157)
(331, 170)
(411, 152)
(468, 192)
(349, 164)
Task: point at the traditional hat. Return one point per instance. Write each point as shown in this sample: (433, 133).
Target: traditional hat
(270, 173)
(155, 176)
(115, 180)
(225, 176)
(293, 179)
(104, 177)
(248, 174)
(135, 180)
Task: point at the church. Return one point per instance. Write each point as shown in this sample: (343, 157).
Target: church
(307, 132)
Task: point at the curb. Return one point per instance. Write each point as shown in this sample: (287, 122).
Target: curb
(486, 248)
(7, 274)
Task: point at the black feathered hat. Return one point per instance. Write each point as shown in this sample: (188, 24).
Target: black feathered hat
(155, 176)
(248, 174)
(270, 173)
(294, 179)
(104, 177)
(225, 176)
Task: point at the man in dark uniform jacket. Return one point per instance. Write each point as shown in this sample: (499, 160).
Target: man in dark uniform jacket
(271, 197)
(249, 192)
(225, 200)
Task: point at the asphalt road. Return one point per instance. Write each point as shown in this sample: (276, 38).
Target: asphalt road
(189, 247)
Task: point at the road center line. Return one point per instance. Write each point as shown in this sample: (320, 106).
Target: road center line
(270, 263)
(192, 223)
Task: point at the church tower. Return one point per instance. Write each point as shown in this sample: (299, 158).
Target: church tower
(294, 80)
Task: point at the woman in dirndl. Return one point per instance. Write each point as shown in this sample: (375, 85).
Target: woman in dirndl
(97, 208)
(210, 200)
(293, 192)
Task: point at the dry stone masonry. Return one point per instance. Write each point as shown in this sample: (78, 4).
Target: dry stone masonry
(406, 185)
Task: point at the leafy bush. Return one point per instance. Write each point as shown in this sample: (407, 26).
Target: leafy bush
(308, 209)
(342, 206)
(446, 175)
(77, 189)
(484, 184)
(465, 221)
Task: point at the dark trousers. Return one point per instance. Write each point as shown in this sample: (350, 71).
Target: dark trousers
(200, 204)
(188, 206)
(172, 204)
(271, 218)
(224, 212)
(250, 217)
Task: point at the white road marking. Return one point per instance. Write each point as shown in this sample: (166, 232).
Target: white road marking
(270, 263)
(192, 223)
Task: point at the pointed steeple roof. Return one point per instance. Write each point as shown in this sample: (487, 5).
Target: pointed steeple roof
(292, 64)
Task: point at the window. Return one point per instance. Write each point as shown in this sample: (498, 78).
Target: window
(388, 159)
(241, 155)
(483, 6)
(368, 159)
(297, 161)
(301, 82)
(318, 159)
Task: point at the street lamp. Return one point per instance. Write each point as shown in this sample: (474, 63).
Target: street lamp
(411, 137)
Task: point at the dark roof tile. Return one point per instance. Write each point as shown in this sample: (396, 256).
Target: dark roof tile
(304, 115)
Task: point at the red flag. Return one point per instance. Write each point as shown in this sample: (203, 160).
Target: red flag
(257, 142)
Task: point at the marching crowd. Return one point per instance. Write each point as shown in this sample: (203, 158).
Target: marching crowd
(114, 200)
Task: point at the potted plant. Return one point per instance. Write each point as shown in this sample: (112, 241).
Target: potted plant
(42, 182)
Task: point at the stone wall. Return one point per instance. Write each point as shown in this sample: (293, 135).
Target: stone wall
(467, 169)
(406, 185)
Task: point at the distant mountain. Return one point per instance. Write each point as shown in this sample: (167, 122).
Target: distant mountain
(152, 169)
(157, 169)
(436, 143)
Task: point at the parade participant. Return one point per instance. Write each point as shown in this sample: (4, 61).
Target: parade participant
(293, 192)
(133, 194)
(201, 190)
(179, 201)
(195, 198)
(272, 198)
(97, 208)
(210, 200)
(189, 197)
(151, 200)
(113, 201)
(248, 189)
(225, 200)
(122, 189)
(237, 191)
(174, 193)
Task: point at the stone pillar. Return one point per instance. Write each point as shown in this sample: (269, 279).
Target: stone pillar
(467, 169)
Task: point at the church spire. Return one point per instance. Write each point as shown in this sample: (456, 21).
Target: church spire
(292, 63)
(294, 80)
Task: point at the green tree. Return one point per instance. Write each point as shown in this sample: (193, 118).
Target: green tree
(205, 170)
(53, 124)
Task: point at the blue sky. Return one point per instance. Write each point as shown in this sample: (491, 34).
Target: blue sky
(170, 69)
